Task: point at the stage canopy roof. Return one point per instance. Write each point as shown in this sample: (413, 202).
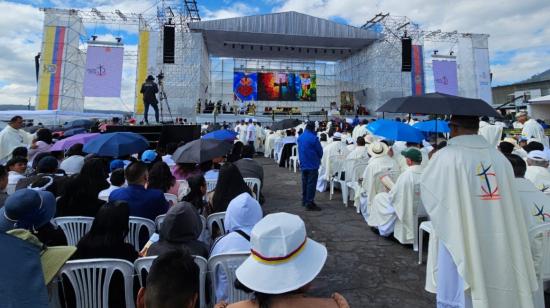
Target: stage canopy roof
(288, 35)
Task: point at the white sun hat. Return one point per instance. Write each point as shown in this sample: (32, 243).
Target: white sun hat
(377, 149)
(282, 258)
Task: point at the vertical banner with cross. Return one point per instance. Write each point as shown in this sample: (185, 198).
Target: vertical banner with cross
(103, 74)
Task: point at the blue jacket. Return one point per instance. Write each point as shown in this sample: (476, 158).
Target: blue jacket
(146, 203)
(310, 151)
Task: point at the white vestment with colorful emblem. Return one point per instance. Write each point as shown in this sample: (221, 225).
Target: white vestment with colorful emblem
(539, 176)
(468, 190)
(533, 130)
(492, 133)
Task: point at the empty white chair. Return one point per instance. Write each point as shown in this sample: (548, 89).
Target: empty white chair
(255, 185)
(419, 213)
(353, 182)
(136, 223)
(91, 279)
(229, 263)
(103, 198)
(427, 227)
(142, 265)
(205, 234)
(171, 198)
(74, 227)
(211, 185)
(293, 158)
(159, 220)
(216, 218)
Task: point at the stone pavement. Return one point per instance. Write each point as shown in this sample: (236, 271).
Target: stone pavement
(368, 270)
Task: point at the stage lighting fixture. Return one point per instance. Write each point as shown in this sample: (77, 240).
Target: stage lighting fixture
(435, 52)
(224, 44)
(232, 45)
(271, 48)
(278, 48)
(325, 51)
(451, 53)
(118, 39)
(292, 48)
(242, 46)
(299, 49)
(307, 50)
(286, 47)
(251, 47)
(262, 48)
(333, 51)
(341, 52)
(315, 50)
(94, 37)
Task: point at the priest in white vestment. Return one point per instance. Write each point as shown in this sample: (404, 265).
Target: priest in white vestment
(484, 257)
(394, 211)
(259, 144)
(491, 133)
(12, 136)
(537, 170)
(335, 148)
(360, 151)
(532, 129)
(381, 168)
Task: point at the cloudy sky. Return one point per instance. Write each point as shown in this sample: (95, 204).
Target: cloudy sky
(519, 36)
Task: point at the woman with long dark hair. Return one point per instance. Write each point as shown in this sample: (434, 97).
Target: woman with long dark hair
(160, 177)
(236, 152)
(80, 195)
(230, 184)
(197, 186)
(183, 171)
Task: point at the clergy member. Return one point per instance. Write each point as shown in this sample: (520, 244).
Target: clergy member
(11, 137)
(394, 211)
(491, 133)
(537, 170)
(360, 151)
(532, 129)
(336, 148)
(468, 190)
(381, 171)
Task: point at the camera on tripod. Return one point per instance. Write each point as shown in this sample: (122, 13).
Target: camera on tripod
(160, 77)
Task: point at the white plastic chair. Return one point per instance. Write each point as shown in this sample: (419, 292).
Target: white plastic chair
(144, 264)
(74, 227)
(293, 160)
(255, 185)
(91, 279)
(159, 220)
(229, 263)
(135, 224)
(217, 218)
(211, 185)
(425, 226)
(541, 232)
(171, 198)
(353, 183)
(418, 213)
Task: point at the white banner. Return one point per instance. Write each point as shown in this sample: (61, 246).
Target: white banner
(483, 74)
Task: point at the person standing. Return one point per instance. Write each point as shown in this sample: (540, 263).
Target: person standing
(310, 153)
(532, 129)
(251, 134)
(468, 190)
(12, 136)
(149, 89)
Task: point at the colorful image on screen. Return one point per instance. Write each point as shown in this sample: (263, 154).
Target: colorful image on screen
(245, 86)
(278, 86)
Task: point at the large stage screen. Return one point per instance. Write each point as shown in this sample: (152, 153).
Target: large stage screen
(275, 86)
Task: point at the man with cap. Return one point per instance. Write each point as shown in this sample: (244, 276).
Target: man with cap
(310, 153)
(491, 133)
(336, 148)
(537, 170)
(394, 211)
(532, 129)
(149, 157)
(381, 169)
(12, 136)
(483, 256)
(149, 89)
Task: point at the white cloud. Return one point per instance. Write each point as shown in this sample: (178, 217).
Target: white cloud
(235, 10)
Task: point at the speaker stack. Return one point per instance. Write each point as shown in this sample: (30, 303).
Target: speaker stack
(406, 57)
(169, 44)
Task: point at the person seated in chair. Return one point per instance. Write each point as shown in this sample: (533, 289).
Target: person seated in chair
(394, 211)
(250, 168)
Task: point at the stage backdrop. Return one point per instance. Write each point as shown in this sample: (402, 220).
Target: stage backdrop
(275, 86)
(103, 74)
(445, 78)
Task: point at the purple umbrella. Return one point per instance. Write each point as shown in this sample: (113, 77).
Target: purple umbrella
(66, 143)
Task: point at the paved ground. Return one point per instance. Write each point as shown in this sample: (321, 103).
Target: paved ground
(368, 270)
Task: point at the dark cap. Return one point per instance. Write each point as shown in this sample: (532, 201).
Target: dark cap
(150, 78)
(47, 164)
(413, 154)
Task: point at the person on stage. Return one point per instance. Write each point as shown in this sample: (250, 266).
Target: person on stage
(149, 89)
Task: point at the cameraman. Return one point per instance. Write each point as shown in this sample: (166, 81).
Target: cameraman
(149, 89)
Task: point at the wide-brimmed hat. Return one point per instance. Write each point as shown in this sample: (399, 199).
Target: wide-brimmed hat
(52, 258)
(282, 258)
(377, 149)
(27, 208)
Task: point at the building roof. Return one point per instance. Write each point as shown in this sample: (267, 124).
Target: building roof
(544, 76)
(283, 35)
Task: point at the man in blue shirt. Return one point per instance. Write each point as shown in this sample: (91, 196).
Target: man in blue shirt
(310, 153)
(146, 203)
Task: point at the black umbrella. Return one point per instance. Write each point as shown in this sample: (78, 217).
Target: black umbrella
(285, 124)
(439, 104)
(201, 150)
(85, 123)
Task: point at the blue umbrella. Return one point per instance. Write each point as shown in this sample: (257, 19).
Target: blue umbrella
(222, 134)
(116, 144)
(432, 126)
(395, 131)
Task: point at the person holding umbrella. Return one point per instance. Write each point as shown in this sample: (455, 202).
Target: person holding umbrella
(468, 189)
(310, 153)
(149, 89)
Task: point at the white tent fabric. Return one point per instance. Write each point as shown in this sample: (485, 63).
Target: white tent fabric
(51, 117)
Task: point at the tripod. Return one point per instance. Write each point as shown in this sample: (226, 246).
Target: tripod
(163, 97)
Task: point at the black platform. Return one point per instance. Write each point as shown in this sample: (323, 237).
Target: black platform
(160, 135)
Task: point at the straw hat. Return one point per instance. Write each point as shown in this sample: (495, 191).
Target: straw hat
(377, 149)
(282, 258)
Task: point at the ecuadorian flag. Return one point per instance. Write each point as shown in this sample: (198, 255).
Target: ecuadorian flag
(53, 53)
